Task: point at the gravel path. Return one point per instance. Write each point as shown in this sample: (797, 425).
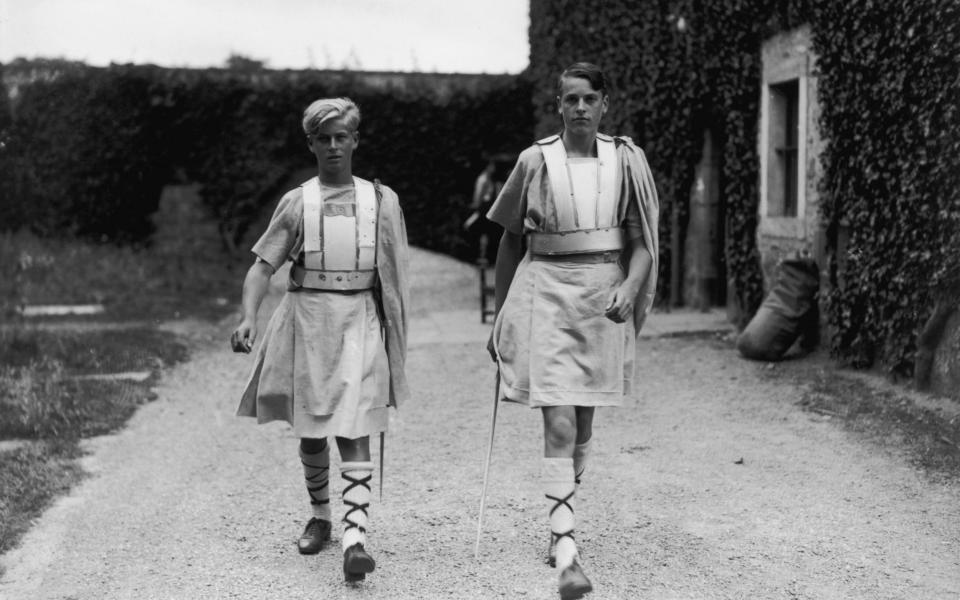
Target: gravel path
(713, 484)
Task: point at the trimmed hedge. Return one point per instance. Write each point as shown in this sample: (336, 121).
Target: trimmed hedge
(89, 153)
(92, 147)
(888, 89)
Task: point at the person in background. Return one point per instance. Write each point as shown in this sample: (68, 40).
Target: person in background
(485, 190)
(575, 276)
(331, 360)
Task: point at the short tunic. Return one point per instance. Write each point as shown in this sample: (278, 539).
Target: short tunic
(321, 364)
(555, 345)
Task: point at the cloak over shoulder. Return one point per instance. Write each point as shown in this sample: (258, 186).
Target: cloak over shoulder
(392, 291)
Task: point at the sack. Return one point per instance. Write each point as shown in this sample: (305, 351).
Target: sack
(788, 313)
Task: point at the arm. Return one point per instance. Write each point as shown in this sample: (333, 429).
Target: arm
(625, 296)
(255, 286)
(509, 254)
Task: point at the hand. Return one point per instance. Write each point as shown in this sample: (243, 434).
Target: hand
(244, 336)
(491, 348)
(621, 305)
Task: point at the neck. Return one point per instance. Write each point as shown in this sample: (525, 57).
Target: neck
(579, 145)
(341, 177)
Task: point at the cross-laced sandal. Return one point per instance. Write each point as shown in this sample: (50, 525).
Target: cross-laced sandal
(554, 536)
(356, 561)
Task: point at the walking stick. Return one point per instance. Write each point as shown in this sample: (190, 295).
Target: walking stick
(486, 466)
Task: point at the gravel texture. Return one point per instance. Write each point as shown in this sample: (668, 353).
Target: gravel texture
(712, 483)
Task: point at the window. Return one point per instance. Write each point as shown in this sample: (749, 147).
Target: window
(783, 160)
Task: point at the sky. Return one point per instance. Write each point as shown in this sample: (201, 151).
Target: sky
(465, 36)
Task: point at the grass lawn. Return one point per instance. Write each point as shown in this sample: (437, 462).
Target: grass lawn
(45, 409)
(48, 410)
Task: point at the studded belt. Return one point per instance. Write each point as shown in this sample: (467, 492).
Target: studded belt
(337, 281)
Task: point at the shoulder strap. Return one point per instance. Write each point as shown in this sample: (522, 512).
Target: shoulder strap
(312, 203)
(367, 209)
(607, 207)
(555, 158)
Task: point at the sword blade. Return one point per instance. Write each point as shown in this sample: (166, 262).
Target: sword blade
(486, 466)
(382, 436)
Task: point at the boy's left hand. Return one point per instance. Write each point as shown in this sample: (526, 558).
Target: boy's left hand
(243, 337)
(620, 306)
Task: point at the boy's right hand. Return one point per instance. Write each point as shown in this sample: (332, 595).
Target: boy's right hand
(243, 337)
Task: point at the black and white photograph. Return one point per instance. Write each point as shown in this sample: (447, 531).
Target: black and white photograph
(512, 299)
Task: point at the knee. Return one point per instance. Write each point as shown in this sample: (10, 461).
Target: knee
(560, 432)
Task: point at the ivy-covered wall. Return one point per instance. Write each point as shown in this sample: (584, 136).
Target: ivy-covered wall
(675, 68)
(890, 101)
(888, 90)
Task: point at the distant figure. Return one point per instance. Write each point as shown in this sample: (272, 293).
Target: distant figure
(485, 190)
(331, 361)
(575, 276)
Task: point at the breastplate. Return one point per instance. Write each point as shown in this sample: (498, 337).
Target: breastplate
(584, 189)
(336, 240)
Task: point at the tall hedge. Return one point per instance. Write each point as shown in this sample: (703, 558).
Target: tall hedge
(90, 153)
(94, 146)
(889, 92)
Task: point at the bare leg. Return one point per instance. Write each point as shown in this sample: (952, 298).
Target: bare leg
(559, 431)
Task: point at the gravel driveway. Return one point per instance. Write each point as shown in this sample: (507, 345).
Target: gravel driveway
(711, 484)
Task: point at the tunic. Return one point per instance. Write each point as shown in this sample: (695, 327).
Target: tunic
(554, 344)
(327, 363)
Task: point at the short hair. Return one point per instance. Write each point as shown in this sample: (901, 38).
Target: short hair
(584, 70)
(322, 110)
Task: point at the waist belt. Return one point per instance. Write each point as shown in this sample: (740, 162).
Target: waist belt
(337, 281)
(591, 258)
(585, 241)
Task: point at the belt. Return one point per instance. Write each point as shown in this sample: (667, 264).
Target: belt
(591, 258)
(584, 241)
(337, 281)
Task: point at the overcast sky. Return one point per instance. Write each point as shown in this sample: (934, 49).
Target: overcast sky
(469, 36)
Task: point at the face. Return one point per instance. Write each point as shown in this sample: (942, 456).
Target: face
(333, 145)
(580, 105)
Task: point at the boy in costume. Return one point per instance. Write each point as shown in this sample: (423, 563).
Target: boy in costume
(575, 276)
(331, 361)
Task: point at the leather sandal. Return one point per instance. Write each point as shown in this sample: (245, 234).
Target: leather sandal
(357, 563)
(573, 583)
(315, 535)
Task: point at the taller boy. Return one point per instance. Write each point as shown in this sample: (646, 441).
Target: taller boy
(331, 361)
(578, 257)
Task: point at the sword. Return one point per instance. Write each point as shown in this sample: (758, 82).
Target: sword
(486, 466)
(382, 436)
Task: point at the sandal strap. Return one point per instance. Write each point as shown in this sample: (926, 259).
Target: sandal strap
(558, 502)
(355, 506)
(557, 536)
